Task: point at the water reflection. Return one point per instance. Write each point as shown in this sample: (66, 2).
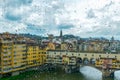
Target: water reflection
(117, 75)
(91, 73)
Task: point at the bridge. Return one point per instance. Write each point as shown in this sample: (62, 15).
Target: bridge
(72, 61)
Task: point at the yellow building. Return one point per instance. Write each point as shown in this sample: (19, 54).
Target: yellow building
(42, 56)
(32, 54)
(50, 46)
(12, 56)
(16, 55)
(64, 46)
(95, 46)
(65, 60)
(110, 63)
(6, 51)
(19, 56)
(35, 55)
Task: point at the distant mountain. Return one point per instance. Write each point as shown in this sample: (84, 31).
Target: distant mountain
(67, 36)
(31, 36)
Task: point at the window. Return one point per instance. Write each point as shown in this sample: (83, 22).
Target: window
(99, 55)
(14, 52)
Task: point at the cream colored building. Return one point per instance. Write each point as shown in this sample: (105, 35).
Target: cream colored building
(83, 55)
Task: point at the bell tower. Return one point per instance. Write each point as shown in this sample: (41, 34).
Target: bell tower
(61, 34)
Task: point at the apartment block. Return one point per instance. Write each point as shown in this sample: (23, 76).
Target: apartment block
(32, 54)
(19, 56)
(6, 52)
(12, 55)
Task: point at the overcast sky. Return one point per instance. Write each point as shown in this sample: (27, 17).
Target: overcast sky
(84, 18)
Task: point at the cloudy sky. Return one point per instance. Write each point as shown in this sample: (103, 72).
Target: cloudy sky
(85, 18)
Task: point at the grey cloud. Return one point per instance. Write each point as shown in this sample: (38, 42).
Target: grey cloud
(65, 26)
(9, 7)
(12, 17)
(106, 7)
(34, 29)
(91, 14)
(17, 3)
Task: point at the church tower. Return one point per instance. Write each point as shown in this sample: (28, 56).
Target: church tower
(112, 39)
(61, 34)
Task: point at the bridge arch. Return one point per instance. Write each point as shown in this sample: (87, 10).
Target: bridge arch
(79, 60)
(85, 60)
(92, 61)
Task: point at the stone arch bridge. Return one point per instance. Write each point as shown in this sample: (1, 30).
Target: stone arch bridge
(72, 61)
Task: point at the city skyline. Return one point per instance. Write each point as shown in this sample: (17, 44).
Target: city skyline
(84, 18)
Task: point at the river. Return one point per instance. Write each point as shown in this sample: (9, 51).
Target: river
(58, 76)
(54, 75)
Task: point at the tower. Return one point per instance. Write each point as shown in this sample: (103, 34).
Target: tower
(61, 34)
(112, 39)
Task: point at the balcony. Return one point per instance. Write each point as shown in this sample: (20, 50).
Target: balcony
(6, 63)
(17, 61)
(24, 63)
(8, 53)
(58, 61)
(7, 59)
(49, 60)
(5, 46)
(5, 67)
(22, 68)
(23, 60)
(7, 70)
(18, 57)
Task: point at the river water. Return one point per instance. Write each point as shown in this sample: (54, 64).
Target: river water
(57, 76)
(87, 73)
